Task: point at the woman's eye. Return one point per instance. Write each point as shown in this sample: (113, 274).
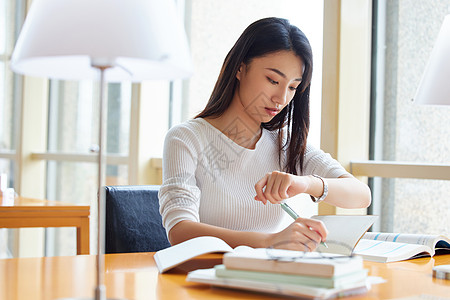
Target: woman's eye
(272, 81)
(293, 88)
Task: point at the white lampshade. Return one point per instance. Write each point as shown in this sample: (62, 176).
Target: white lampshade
(140, 39)
(434, 87)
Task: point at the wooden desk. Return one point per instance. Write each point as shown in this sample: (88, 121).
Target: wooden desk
(134, 276)
(26, 212)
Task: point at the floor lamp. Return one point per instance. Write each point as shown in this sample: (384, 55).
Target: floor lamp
(104, 40)
(434, 88)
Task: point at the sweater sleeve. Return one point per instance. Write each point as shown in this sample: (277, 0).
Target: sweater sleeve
(320, 163)
(179, 195)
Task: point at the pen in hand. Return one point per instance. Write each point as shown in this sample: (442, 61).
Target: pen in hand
(294, 215)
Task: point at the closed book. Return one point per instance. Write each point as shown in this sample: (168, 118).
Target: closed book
(311, 264)
(339, 282)
(208, 276)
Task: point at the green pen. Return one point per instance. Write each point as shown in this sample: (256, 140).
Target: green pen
(294, 215)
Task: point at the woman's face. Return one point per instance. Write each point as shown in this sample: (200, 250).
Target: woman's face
(268, 83)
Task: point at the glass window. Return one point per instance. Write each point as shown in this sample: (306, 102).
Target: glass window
(73, 117)
(7, 167)
(6, 234)
(11, 16)
(73, 128)
(403, 130)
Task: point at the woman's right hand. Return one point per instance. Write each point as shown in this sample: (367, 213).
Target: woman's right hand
(302, 232)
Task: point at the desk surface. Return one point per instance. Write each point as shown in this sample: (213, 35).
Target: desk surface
(31, 203)
(134, 276)
(28, 212)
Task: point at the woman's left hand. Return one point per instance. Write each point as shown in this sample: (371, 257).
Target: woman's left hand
(277, 186)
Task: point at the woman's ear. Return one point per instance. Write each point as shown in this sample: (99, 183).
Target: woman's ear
(239, 72)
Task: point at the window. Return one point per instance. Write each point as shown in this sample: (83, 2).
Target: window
(11, 18)
(401, 130)
(73, 130)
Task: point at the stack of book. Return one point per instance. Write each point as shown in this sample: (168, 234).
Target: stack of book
(311, 276)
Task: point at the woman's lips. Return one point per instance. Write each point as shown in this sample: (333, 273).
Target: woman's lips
(271, 111)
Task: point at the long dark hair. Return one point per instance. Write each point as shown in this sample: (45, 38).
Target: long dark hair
(263, 37)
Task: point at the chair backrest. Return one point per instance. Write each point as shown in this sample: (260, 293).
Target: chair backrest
(133, 221)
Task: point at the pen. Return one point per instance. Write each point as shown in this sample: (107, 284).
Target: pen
(294, 215)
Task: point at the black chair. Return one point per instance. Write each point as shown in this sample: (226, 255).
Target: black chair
(133, 221)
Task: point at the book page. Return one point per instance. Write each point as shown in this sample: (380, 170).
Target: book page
(420, 239)
(382, 251)
(346, 230)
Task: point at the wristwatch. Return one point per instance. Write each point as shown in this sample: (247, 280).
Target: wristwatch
(325, 190)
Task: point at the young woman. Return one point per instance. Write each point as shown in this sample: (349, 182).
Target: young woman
(226, 171)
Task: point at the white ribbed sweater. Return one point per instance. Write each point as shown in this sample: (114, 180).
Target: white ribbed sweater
(209, 178)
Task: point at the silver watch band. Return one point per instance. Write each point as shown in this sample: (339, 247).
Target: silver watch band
(325, 190)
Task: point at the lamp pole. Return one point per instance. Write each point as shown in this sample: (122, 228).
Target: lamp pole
(100, 289)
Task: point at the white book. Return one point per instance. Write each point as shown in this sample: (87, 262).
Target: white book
(346, 230)
(208, 276)
(311, 264)
(342, 281)
(390, 247)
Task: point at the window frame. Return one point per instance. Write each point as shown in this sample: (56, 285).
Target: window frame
(346, 85)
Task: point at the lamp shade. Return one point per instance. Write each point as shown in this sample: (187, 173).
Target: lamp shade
(137, 39)
(434, 88)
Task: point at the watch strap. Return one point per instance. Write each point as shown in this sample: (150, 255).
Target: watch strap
(325, 190)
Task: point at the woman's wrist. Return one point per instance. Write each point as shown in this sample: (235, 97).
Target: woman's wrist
(324, 190)
(268, 240)
(316, 186)
(253, 239)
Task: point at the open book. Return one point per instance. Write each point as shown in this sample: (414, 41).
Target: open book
(345, 229)
(344, 232)
(390, 247)
(174, 256)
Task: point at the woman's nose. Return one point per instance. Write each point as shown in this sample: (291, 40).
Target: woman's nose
(281, 97)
